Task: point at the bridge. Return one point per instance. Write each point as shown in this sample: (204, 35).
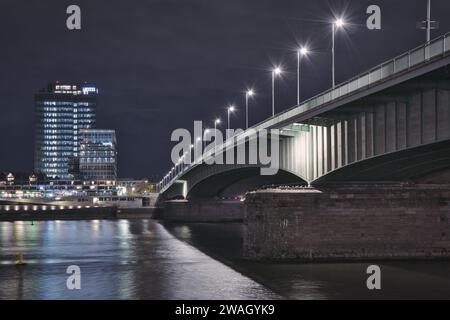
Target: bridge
(364, 170)
(390, 123)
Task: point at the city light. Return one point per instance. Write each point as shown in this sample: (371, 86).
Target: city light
(339, 23)
(303, 51)
(277, 71)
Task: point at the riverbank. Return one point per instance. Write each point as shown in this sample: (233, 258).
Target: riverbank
(82, 213)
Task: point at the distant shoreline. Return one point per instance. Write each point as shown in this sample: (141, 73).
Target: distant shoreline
(79, 214)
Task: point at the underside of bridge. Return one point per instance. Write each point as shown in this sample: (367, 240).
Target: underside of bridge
(428, 163)
(237, 182)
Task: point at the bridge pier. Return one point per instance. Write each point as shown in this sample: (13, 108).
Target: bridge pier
(372, 221)
(203, 211)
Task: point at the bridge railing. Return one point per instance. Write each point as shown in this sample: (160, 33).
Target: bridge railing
(402, 63)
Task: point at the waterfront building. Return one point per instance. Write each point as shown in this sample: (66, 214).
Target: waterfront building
(62, 110)
(134, 186)
(10, 178)
(98, 156)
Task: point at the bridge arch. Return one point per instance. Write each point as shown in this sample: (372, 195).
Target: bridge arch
(226, 181)
(237, 182)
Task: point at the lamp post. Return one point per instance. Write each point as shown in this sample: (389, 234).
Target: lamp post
(191, 155)
(300, 52)
(275, 72)
(229, 111)
(338, 23)
(248, 94)
(204, 140)
(428, 21)
(216, 122)
(197, 141)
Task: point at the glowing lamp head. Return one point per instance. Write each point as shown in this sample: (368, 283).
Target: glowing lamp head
(303, 51)
(217, 121)
(277, 71)
(231, 108)
(250, 93)
(339, 23)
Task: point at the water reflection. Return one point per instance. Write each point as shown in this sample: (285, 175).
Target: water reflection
(119, 259)
(400, 280)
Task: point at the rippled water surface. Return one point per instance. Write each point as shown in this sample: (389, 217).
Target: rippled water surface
(136, 259)
(399, 279)
(143, 259)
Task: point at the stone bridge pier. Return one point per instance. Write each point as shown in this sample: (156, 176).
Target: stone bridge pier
(350, 221)
(203, 210)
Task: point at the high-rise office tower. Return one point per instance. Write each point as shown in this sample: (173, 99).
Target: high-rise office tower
(98, 155)
(61, 112)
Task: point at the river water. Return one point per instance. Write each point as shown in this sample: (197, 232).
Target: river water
(399, 279)
(121, 259)
(143, 259)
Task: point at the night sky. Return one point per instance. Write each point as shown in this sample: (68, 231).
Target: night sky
(161, 64)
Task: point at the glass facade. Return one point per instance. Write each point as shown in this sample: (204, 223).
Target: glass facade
(98, 155)
(61, 112)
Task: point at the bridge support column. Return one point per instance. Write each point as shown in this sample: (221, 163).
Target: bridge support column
(349, 222)
(203, 211)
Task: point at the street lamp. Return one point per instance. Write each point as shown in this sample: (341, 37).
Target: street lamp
(204, 140)
(197, 141)
(191, 153)
(248, 94)
(303, 51)
(216, 122)
(229, 110)
(338, 23)
(275, 72)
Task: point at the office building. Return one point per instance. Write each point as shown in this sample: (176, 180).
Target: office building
(98, 155)
(62, 110)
